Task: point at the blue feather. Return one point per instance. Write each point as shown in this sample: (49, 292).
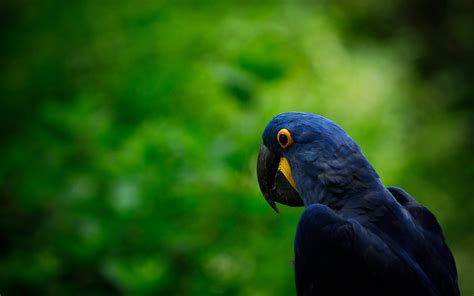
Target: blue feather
(356, 236)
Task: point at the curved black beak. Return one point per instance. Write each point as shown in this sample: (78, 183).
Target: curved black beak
(273, 182)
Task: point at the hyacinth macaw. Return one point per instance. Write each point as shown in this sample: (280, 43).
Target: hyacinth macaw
(355, 237)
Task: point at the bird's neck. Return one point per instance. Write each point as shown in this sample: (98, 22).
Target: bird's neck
(350, 197)
(339, 182)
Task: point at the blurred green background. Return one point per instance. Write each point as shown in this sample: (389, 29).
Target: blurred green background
(130, 130)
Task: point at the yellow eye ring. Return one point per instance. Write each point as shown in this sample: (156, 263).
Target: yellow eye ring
(284, 138)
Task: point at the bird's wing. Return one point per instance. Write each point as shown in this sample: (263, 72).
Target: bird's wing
(335, 256)
(437, 260)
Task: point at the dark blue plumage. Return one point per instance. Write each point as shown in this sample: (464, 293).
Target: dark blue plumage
(356, 236)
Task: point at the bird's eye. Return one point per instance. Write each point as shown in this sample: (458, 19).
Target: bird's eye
(284, 138)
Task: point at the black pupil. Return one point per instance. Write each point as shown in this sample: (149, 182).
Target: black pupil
(283, 139)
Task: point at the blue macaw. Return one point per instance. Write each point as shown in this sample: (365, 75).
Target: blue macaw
(355, 237)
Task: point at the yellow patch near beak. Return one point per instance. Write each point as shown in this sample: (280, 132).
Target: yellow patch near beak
(284, 167)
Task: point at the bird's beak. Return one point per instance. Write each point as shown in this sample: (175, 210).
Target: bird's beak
(276, 180)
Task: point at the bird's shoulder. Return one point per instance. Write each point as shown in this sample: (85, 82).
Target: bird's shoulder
(425, 220)
(330, 247)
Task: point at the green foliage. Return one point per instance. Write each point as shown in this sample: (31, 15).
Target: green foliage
(129, 134)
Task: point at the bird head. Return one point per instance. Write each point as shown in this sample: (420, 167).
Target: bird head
(306, 158)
